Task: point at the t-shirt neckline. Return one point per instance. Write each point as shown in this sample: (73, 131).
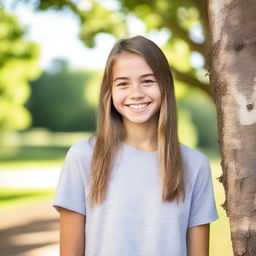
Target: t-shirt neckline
(138, 150)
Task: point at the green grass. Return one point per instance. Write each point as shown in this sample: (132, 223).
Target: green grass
(220, 242)
(37, 147)
(30, 156)
(11, 197)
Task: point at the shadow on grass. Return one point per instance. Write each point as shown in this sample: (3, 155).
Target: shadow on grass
(21, 239)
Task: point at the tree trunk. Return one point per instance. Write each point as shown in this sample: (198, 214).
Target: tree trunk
(233, 79)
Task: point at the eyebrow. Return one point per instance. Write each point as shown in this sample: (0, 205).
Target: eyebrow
(126, 78)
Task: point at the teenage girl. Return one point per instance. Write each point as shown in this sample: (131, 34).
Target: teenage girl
(132, 189)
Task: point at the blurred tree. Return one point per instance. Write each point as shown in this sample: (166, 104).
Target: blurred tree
(186, 128)
(186, 21)
(58, 99)
(18, 65)
(203, 116)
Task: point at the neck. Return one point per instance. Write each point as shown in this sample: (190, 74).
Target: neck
(141, 136)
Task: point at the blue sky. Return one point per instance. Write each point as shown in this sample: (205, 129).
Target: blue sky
(57, 34)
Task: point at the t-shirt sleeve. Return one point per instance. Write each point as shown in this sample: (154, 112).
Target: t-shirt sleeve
(203, 206)
(70, 192)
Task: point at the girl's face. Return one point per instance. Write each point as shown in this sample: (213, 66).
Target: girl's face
(135, 91)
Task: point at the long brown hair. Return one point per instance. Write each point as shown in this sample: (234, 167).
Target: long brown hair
(110, 129)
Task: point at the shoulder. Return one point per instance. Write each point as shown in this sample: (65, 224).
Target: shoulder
(192, 155)
(195, 163)
(83, 149)
(79, 155)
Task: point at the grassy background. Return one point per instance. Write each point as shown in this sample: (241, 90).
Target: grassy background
(220, 242)
(30, 154)
(11, 197)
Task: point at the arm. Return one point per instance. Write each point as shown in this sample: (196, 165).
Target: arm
(72, 233)
(198, 240)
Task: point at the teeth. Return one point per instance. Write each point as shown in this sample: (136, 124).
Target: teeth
(138, 106)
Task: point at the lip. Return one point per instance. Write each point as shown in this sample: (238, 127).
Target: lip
(138, 103)
(140, 109)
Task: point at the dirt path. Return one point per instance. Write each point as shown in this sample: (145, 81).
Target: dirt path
(30, 229)
(44, 177)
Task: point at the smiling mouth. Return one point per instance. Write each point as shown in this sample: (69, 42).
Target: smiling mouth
(138, 106)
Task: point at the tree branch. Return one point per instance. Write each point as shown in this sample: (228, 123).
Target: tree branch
(172, 24)
(203, 10)
(192, 81)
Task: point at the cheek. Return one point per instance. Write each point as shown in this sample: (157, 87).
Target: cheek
(155, 93)
(117, 97)
(120, 94)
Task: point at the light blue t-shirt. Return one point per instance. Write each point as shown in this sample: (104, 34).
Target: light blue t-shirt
(133, 221)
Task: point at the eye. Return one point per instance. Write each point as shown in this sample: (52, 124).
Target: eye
(148, 81)
(122, 84)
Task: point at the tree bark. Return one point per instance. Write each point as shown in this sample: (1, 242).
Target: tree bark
(233, 79)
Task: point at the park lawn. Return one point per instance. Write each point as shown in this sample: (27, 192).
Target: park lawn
(220, 242)
(26, 157)
(11, 197)
(36, 148)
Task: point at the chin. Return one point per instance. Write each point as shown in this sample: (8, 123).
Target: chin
(137, 121)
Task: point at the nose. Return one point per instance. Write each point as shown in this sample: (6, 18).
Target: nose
(137, 91)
